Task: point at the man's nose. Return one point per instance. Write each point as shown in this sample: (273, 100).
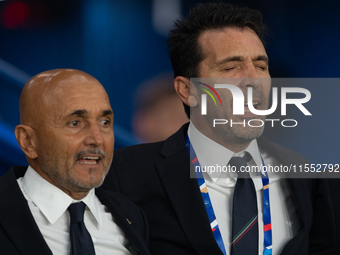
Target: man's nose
(93, 136)
(250, 76)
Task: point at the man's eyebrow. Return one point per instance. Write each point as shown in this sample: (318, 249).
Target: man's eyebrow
(229, 59)
(107, 112)
(78, 113)
(262, 58)
(83, 112)
(240, 58)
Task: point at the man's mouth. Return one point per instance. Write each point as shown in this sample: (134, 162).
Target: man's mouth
(89, 157)
(89, 160)
(246, 109)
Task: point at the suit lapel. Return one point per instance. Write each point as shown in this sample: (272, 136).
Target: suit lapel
(300, 191)
(186, 199)
(301, 196)
(185, 195)
(123, 220)
(299, 187)
(17, 220)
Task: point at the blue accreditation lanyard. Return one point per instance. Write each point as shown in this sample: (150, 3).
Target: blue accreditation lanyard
(210, 211)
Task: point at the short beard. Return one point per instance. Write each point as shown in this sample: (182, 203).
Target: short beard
(254, 133)
(65, 179)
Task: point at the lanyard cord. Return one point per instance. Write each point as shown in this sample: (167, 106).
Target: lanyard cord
(210, 211)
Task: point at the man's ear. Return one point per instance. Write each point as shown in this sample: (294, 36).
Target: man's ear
(26, 139)
(187, 93)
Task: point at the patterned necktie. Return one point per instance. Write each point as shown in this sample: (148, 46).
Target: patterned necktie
(81, 242)
(244, 221)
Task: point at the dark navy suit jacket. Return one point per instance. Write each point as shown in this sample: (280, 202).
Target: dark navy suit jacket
(157, 178)
(19, 233)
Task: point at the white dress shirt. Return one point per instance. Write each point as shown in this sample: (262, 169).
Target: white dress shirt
(49, 204)
(284, 215)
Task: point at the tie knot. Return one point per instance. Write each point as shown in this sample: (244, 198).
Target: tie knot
(76, 211)
(238, 162)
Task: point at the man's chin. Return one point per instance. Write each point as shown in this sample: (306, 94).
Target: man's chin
(248, 133)
(88, 185)
(240, 129)
(90, 181)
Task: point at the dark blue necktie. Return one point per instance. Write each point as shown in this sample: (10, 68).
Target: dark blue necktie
(244, 221)
(81, 242)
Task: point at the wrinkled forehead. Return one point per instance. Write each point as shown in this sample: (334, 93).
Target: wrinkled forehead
(72, 93)
(73, 84)
(77, 91)
(53, 92)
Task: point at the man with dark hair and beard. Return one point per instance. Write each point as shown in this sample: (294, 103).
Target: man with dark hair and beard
(55, 205)
(222, 213)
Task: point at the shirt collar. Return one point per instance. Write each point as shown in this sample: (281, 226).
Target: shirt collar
(52, 201)
(210, 153)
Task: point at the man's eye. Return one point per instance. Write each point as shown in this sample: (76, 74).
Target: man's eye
(106, 122)
(74, 123)
(262, 68)
(228, 68)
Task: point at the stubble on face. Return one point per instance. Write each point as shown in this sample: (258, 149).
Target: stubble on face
(67, 97)
(67, 179)
(248, 133)
(236, 131)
